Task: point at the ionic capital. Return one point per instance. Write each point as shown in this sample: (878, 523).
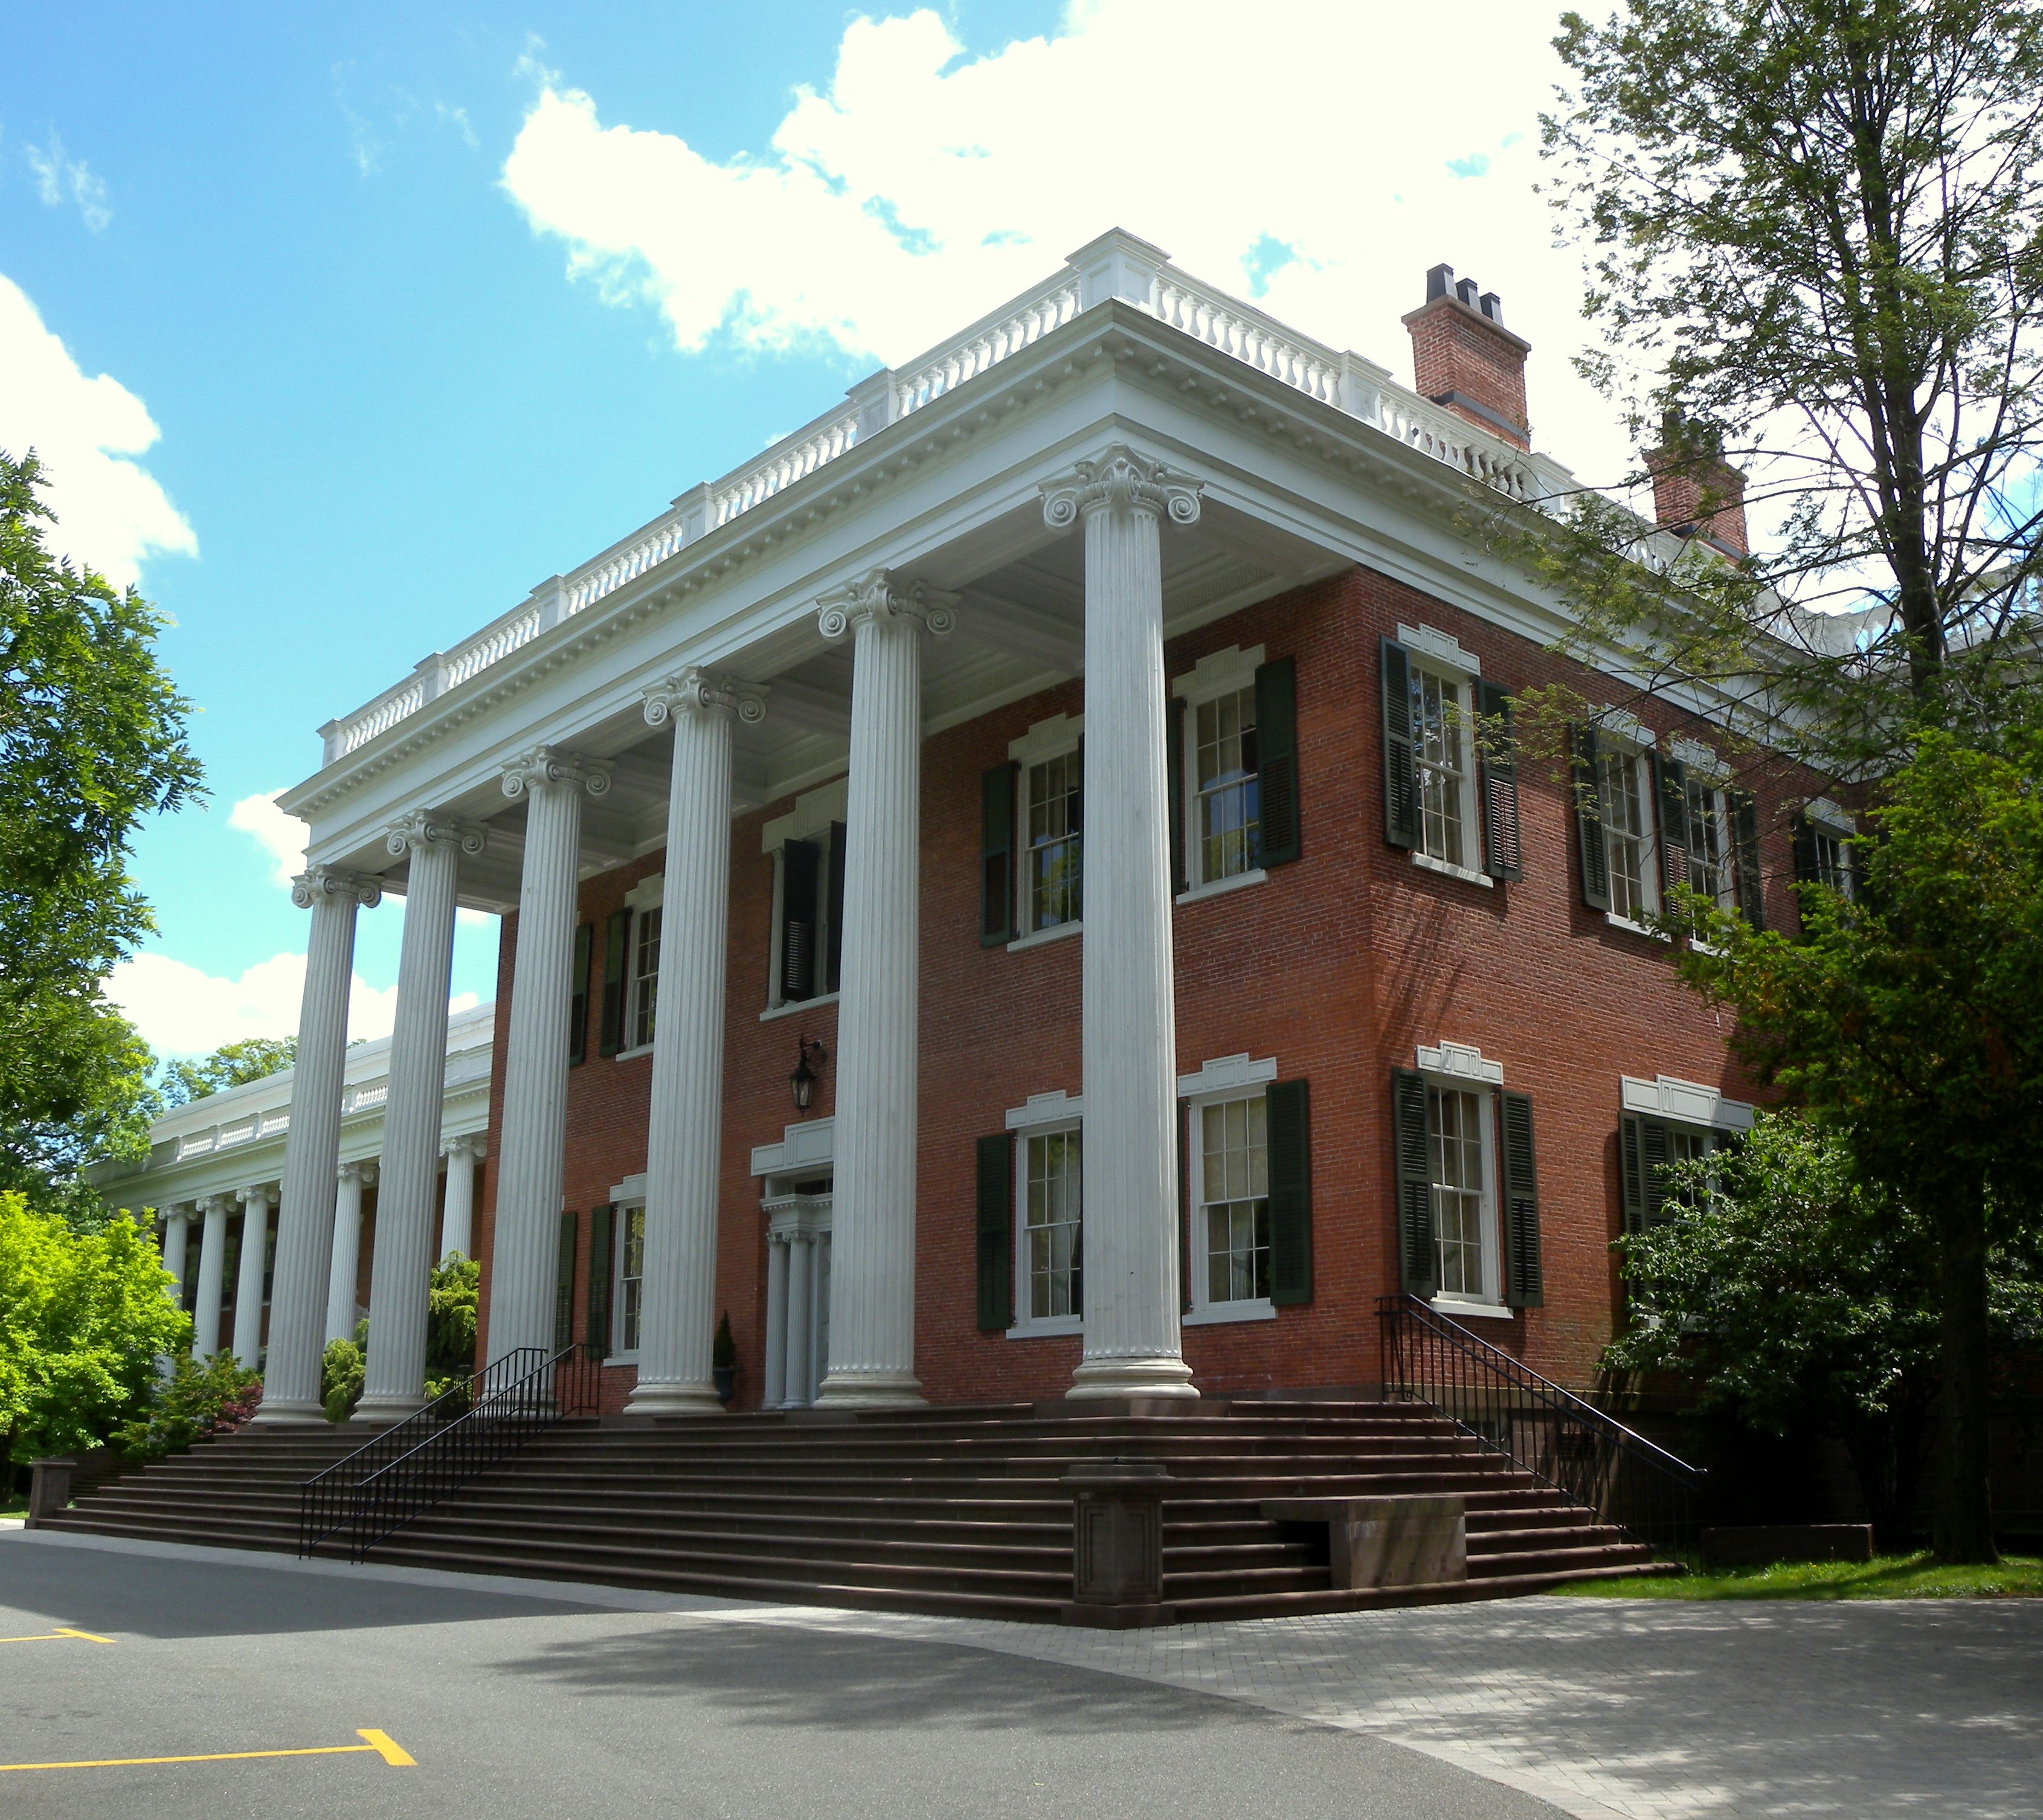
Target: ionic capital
(696, 690)
(422, 827)
(472, 1145)
(258, 1199)
(317, 882)
(363, 1172)
(1121, 479)
(882, 596)
(549, 765)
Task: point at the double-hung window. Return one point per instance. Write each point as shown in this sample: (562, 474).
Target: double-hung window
(1227, 792)
(630, 1300)
(1708, 856)
(644, 976)
(1669, 1121)
(1233, 1225)
(1053, 860)
(1052, 1255)
(806, 847)
(1627, 833)
(1443, 753)
(1457, 1149)
(1032, 857)
(1234, 770)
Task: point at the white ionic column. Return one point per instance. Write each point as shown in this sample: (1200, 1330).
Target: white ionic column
(776, 1322)
(312, 1152)
(795, 1389)
(1128, 1040)
(685, 1123)
(407, 1191)
(211, 1276)
(873, 1329)
(175, 1226)
(458, 1221)
(255, 1205)
(524, 1255)
(347, 1268)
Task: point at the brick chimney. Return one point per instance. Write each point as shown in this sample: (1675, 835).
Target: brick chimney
(1463, 357)
(1699, 494)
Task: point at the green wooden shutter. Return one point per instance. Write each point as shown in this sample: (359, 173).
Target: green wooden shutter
(1588, 783)
(1745, 857)
(1400, 763)
(801, 887)
(1180, 878)
(833, 900)
(601, 1220)
(1670, 796)
(1288, 1129)
(564, 1285)
(578, 1001)
(996, 855)
(1523, 1285)
(1184, 1207)
(616, 960)
(996, 1233)
(1642, 1154)
(1277, 758)
(1418, 1256)
(1503, 844)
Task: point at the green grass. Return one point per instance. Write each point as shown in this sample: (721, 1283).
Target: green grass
(1886, 1576)
(13, 1504)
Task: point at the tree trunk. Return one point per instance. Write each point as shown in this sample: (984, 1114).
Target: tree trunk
(1964, 1521)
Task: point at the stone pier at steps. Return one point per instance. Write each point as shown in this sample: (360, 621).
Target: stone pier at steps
(957, 1510)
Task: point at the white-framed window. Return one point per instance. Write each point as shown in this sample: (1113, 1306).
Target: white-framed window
(1449, 828)
(1460, 1149)
(1053, 852)
(1231, 1202)
(1220, 765)
(808, 870)
(1625, 795)
(644, 978)
(628, 1290)
(1829, 853)
(1049, 1229)
(1711, 872)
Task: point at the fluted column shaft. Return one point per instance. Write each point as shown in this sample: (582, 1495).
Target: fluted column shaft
(457, 1219)
(407, 1192)
(311, 1151)
(800, 1371)
(255, 1203)
(212, 1277)
(872, 1326)
(1128, 1039)
(776, 1323)
(684, 1127)
(524, 1252)
(346, 1267)
(175, 1228)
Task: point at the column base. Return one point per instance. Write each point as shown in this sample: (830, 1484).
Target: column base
(383, 1411)
(674, 1399)
(1155, 1374)
(281, 1414)
(871, 1390)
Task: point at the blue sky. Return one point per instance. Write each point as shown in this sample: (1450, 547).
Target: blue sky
(427, 302)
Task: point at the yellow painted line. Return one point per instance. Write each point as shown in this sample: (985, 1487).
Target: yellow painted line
(61, 1635)
(378, 1744)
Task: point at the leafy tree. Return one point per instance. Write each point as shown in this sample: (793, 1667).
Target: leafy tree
(83, 1318)
(451, 1308)
(343, 1369)
(231, 1065)
(92, 740)
(1908, 1022)
(1794, 1295)
(1815, 234)
(201, 1397)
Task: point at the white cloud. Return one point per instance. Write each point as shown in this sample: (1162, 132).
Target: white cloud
(181, 1010)
(60, 179)
(112, 512)
(1313, 159)
(282, 837)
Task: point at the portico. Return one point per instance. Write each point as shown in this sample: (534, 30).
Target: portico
(1121, 456)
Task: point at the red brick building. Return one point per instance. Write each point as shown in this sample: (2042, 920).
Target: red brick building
(1089, 932)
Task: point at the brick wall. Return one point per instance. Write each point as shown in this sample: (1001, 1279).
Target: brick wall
(1339, 966)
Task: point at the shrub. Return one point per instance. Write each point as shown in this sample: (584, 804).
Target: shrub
(342, 1367)
(201, 1397)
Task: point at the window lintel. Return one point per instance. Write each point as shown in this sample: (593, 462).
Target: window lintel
(1442, 648)
(1228, 1077)
(1219, 672)
(1685, 1102)
(810, 815)
(1050, 738)
(1830, 817)
(1460, 1062)
(1046, 1110)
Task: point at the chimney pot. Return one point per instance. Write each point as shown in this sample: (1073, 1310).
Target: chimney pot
(1493, 306)
(1437, 281)
(1466, 290)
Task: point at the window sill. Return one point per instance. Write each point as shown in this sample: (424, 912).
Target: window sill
(789, 1007)
(633, 1055)
(1486, 1311)
(1215, 1314)
(1059, 1327)
(1036, 938)
(1427, 863)
(630, 1359)
(1220, 887)
(1625, 923)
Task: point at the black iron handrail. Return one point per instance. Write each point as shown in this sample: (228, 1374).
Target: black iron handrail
(1568, 1444)
(411, 1467)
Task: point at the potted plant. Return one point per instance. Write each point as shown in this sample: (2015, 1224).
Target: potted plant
(723, 1361)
